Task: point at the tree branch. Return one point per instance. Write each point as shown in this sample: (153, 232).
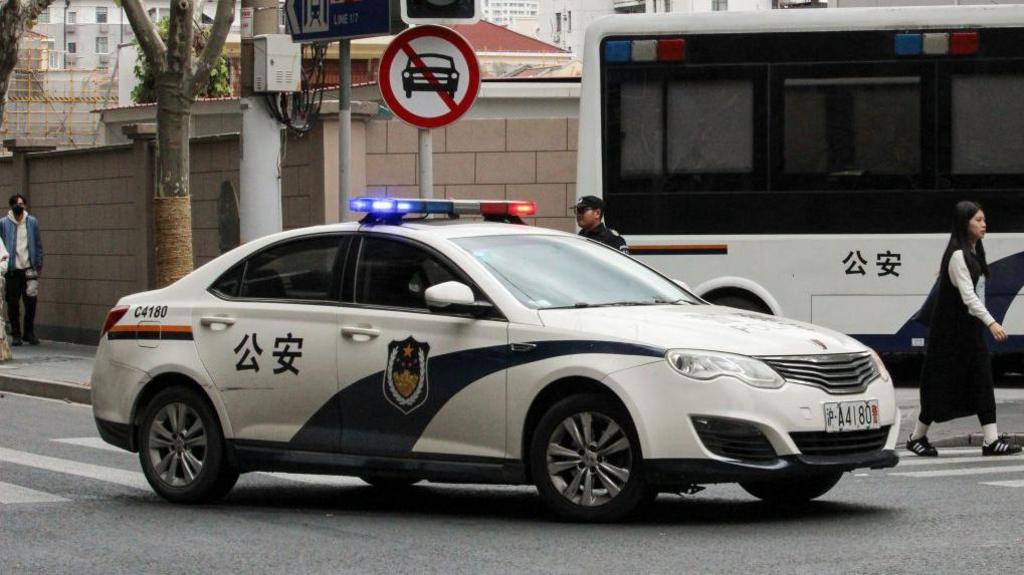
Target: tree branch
(214, 45)
(34, 7)
(146, 32)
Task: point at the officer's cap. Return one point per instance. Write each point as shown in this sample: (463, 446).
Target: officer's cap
(592, 202)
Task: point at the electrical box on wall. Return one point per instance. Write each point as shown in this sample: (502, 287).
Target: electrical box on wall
(277, 64)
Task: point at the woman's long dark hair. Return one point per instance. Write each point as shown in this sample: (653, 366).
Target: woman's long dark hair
(958, 240)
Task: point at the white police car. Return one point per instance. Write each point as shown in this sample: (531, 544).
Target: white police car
(407, 350)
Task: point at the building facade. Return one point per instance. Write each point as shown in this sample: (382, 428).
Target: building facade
(506, 12)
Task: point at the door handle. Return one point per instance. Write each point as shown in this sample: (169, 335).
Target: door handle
(351, 330)
(210, 321)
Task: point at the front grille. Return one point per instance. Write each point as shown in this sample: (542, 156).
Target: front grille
(733, 439)
(846, 443)
(835, 373)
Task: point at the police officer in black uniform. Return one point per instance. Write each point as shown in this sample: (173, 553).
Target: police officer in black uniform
(589, 213)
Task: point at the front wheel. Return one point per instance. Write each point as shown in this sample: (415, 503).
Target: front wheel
(585, 459)
(181, 448)
(792, 491)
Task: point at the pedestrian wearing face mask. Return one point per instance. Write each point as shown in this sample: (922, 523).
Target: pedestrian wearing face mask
(20, 234)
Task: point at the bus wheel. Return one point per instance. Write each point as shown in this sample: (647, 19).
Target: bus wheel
(748, 303)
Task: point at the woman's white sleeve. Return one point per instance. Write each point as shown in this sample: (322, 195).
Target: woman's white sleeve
(961, 278)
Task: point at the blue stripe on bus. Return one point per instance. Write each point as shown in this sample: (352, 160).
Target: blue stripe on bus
(1001, 288)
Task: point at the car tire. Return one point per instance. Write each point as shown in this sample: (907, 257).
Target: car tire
(792, 491)
(588, 476)
(389, 482)
(181, 448)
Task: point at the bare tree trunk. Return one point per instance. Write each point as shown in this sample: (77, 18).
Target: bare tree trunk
(172, 203)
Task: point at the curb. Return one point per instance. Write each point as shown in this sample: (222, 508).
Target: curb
(974, 440)
(71, 392)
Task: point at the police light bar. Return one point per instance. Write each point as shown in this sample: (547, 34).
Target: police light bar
(391, 208)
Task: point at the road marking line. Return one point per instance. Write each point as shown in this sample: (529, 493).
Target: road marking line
(132, 479)
(98, 443)
(16, 494)
(94, 442)
(962, 472)
(946, 451)
(946, 460)
(334, 480)
(1017, 483)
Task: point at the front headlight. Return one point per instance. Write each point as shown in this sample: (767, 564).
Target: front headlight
(882, 372)
(704, 365)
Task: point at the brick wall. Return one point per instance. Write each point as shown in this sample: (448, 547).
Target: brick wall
(86, 204)
(529, 159)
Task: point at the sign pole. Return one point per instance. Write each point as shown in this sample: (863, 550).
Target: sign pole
(344, 126)
(426, 161)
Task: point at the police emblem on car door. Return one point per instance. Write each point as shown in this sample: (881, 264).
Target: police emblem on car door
(405, 379)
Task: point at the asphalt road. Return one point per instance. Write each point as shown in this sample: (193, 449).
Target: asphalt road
(69, 505)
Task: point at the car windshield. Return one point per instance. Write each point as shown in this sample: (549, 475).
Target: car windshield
(547, 272)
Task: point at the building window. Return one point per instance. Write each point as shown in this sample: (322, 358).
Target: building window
(44, 16)
(72, 16)
(720, 5)
(101, 15)
(101, 45)
(72, 48)
(568, 21)
(558, 21)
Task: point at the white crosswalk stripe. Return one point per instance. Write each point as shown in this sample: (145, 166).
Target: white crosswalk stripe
(1015, 483)
(962, 472)
(97, 443)
(10, 493)
(133, 479)
(959, 462)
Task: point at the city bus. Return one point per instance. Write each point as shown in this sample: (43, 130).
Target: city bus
(805, 163)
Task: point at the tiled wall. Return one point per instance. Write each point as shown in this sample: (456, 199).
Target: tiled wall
(86, 204)
(530, 159)
(92, 217)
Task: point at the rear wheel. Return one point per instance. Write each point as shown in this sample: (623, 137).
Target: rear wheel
(792, 491)
(181, 448)
(741, 302)
(585, 459)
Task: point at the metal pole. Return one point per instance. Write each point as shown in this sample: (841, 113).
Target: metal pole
(344, 126)
(259, 195)
(426, 161)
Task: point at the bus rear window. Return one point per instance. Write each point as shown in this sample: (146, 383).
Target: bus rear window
(710, 126)
(642, 112)
(852, 126)
(988, 124)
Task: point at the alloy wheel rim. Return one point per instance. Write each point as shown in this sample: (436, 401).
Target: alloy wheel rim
(589, 459)
(177, 445)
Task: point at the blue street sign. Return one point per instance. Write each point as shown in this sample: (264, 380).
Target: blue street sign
(316, 20)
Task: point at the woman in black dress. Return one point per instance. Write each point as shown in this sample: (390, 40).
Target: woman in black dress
(956, 380)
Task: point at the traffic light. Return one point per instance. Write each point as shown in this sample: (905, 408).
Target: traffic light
(441, 11)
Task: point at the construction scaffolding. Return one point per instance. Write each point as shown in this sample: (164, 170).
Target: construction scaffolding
(46, 99)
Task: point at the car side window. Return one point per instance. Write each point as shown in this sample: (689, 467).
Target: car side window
(396, 274)
(227, 284)
(297, 270)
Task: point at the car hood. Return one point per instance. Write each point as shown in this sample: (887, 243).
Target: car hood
(707, 327)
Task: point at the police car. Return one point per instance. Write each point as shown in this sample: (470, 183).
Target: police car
(411, 346)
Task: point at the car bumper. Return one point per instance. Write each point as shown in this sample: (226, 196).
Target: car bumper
(682, 472)
(664, 404)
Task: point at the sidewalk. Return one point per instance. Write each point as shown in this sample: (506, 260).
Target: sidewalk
(61, 371)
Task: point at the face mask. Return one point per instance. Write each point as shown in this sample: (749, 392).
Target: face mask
(18, 210)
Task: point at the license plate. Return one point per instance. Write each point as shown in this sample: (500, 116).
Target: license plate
(851, 416)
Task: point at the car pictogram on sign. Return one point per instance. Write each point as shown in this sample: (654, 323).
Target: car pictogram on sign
(430, 73)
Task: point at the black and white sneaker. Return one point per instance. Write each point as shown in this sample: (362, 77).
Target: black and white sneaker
(1000, 447)
(922, 447)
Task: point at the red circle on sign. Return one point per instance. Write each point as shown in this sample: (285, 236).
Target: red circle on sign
(403, 42)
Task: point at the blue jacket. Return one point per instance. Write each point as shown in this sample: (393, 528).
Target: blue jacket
(9, 233)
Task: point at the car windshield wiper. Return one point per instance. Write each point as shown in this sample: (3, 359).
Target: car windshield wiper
(678, 301)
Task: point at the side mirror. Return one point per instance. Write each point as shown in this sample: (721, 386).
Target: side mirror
(454, 297)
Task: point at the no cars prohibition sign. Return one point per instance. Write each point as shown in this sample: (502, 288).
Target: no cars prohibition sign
(429, 76)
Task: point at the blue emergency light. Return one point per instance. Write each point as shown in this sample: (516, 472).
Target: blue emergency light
(395, 208)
